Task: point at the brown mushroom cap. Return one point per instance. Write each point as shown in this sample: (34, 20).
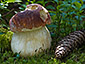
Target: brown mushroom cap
(33, 16)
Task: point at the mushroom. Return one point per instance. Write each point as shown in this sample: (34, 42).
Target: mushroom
(31, 35)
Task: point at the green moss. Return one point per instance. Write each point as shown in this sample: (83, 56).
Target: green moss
(5, 39)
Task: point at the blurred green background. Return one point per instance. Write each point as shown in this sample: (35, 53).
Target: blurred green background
(67, 16)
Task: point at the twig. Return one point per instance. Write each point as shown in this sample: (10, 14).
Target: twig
(8, 12)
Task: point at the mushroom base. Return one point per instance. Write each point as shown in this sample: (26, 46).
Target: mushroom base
(31, 42)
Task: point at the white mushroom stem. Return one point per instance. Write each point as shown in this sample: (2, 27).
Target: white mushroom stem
(31, 42)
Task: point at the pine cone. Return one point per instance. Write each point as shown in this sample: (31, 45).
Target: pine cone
(70, 42)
